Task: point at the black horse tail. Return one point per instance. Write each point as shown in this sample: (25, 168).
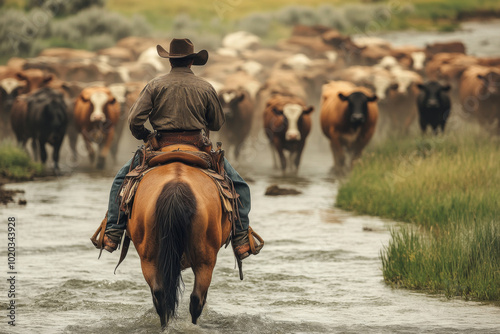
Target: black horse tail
(175, 208)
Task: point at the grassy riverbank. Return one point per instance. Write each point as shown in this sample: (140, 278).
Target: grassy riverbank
(449, 187)
(16, 165)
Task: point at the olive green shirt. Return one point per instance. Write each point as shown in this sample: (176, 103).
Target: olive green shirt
(176, 101)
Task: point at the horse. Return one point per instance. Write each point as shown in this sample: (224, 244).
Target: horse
(177, 222)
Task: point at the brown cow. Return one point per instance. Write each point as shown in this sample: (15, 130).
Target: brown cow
(455, 47)
(287, 124)
(10, 88)
(42, 116)
(96, 116)
(348, 118)
(31, 81)
(238, 107)
(35, 79)
(480, 95)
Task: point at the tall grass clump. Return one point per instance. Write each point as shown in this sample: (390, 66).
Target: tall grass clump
(449, 186)
(16, 164)
(461, 260)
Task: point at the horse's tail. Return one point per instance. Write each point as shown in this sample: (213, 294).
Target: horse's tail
(175, 208)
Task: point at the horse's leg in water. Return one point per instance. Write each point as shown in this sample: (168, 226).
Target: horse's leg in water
(203, 277)
(150, 274)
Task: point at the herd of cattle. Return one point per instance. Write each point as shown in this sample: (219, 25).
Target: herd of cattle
(355, 83)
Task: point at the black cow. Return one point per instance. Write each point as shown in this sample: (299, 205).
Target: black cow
(43, 117)
(434, 105)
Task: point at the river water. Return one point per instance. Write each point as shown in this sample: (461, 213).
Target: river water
(319, 272)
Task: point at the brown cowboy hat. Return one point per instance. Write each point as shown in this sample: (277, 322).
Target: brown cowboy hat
(183, 48)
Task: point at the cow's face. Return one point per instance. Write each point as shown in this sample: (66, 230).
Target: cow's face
(229, 100)
(418, 60)
(99, 101)
(384, 86)
(9, 89)
(357, 109)
(292, 113)
(433, 93)
(34, 78)
(491, 82)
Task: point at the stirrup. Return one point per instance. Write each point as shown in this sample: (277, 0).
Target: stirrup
(250, 248)
(98, 237)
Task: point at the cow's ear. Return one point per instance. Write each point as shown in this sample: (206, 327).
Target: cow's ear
(277, 111)
(446, 88)
(308, 110)
(482, 78)
(21, 76)
(420, 86)
(241, 96)
(342, 97)
(48, 77)
(84, 97)
(372, 98)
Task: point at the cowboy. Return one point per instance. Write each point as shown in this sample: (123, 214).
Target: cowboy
(178, 103)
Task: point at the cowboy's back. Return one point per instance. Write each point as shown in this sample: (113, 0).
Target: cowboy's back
(177, 101)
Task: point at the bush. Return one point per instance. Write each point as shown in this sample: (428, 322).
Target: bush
(98, 28)
(292, 15)
(257, 24)
(18, 30)
(64, 7)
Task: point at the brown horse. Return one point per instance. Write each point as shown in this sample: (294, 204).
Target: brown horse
(177, 222)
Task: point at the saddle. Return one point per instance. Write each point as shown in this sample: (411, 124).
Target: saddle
(208, 161)
(162, 150)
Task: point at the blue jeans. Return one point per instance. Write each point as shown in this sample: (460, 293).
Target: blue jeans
(118, 219)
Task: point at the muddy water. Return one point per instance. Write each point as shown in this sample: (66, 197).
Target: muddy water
(319, 272)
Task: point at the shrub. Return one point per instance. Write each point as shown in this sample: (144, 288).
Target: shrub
(257, 24)
(64, 7)
(98, 28)
(18, 30)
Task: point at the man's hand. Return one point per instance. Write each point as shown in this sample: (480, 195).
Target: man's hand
(150, 136)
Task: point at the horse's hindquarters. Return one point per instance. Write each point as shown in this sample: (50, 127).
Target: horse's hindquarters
(177, 211)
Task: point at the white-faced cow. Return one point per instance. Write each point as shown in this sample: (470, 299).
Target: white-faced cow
(238, 107)
(287, 123)
(96, 116)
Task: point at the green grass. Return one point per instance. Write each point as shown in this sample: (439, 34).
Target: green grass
(449, 187)
(429, 181)
(461, 260)
(16, 165)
